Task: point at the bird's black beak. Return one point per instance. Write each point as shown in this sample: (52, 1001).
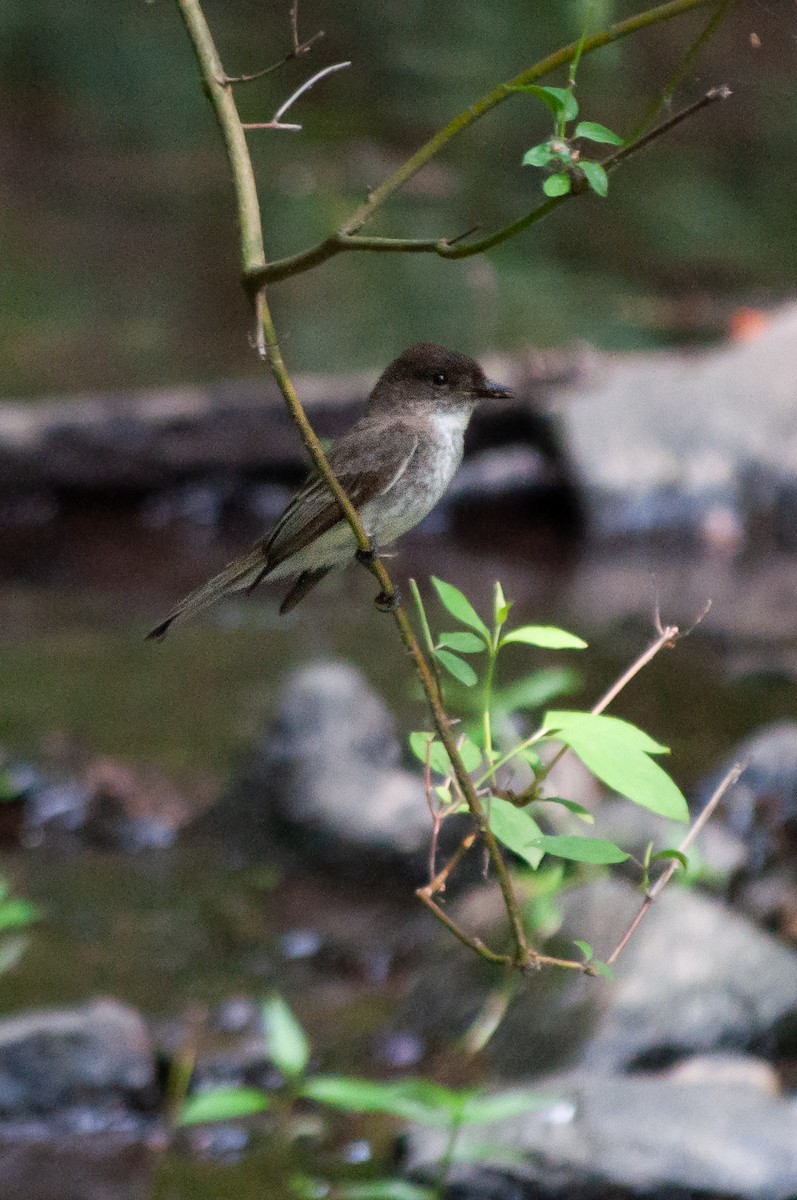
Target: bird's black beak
(488, 390)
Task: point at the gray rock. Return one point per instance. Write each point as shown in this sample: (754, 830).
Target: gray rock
(627, 1136)
(327, 780)
(95, 1060)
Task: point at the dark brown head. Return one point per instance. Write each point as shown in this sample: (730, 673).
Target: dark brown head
(431, 377)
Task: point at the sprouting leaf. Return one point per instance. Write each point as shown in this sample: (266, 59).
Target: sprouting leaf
(618, 753)
(538, 156)
(222, 1104)
(16, 913)
(517, 830)
(547, 637)
(585, 948)
(580, 849)
(412, 1099)
(461, 670)
(602, 968)
(501, 605)
(578, 810)
(479, 1110)
(561, 101)
(595, 176)
(460, 607)
(285, 1039)
(558, 184)
(463, 643)
(676, 854)
(593, 131)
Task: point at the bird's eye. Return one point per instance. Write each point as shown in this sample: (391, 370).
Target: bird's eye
(439, 379)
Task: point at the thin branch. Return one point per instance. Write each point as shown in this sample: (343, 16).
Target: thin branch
(342, 240)
(297, 49)
(727, 782)
(275, 122)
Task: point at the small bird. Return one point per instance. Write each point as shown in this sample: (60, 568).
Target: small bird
(394, 465)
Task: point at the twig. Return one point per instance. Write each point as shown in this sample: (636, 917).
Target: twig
(728, 780)
(298, 48)
(275, 122)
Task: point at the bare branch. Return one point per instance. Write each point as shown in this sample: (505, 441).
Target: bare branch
(275, 122)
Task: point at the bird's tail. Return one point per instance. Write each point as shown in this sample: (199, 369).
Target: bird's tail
(241, 574)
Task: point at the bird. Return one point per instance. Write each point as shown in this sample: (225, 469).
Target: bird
(394, 464)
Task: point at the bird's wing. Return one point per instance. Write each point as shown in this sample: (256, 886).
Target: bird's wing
(314, 509)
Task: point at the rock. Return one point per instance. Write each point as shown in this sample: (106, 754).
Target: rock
(603, 1136)
(695, 977)
(112, 1167)
(91, 1067)
(326, 780)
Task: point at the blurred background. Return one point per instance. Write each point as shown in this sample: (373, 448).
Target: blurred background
(651, 339)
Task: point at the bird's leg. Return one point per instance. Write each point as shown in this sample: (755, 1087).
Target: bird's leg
(386, 601)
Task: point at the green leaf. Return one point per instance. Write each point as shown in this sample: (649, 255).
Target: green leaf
(603, 969)
(557, 185)
(585, 948)
(548, 637)
(460, 607)
(538, 156)
(578, 810)
(443, 794)
(413, 1099)
(595, 176)
(479, 1110)
(561, 101)
(594, 132)
(438, 759)
(470, 754)
(516, 829)
(464, 643)
(537, 688)
(307, 1188)
(618, 753)
(676, 854)
(385, 1189)
(16, 913)
(286, 1042)
(222, 1104)
(581, 849)
(462, 671)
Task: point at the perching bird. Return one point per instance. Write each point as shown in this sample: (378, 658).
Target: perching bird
(394, 465)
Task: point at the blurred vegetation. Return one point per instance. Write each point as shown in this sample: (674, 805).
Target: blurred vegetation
(117, 226)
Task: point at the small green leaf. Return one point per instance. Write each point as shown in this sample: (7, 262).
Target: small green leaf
(676, 854)
(618, 753)
(517, 830)
(561, 101)
(463, 643)
(422, 744)
(307, 1188)
(501, 605)
(460, 607)
(595, 176)
(286, 1042)
(443, 794)
(538, 156)
(470, 754)
(16, 913)
(547, 637)
(222, 1104)
(412, 1099)
(482, 1109)
(595, 132)
(602, 968)
(585, 948)
(557, 185)
(581, 849)
(578, 810)
(462, 671)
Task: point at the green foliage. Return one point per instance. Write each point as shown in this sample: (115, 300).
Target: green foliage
(222, 1104)
(285, 1039)
(16, 914)
(620, 755)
